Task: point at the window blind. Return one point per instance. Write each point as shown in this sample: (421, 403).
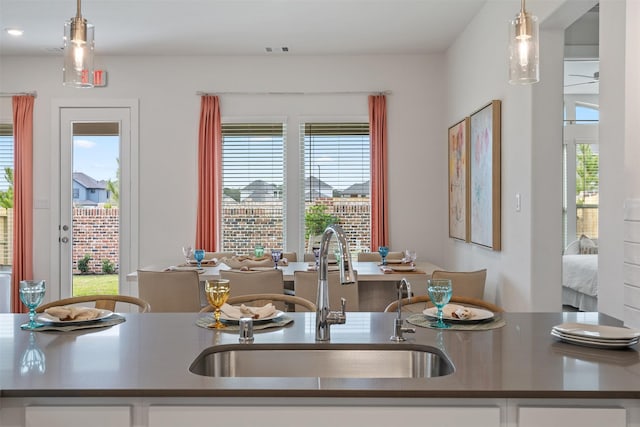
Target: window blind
(253, 173)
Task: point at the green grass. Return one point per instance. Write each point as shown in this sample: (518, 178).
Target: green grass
(99, 284)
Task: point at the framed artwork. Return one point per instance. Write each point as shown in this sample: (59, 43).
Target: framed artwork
(459, 180)
(484, 133)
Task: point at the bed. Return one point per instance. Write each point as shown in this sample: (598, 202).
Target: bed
(580, 275)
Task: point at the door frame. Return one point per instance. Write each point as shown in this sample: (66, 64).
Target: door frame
(129, 209)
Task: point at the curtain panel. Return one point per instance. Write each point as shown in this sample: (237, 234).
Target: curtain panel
(209, 174)
(379, 210)
(22, 264)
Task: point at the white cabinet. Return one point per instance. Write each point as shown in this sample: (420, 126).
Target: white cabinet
(571, 416)
(321, 416)
(65, 416)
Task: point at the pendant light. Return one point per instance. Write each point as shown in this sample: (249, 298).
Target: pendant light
(523, 48)
(78, 52)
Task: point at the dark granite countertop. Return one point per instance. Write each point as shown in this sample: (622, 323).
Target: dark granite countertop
(150, 355)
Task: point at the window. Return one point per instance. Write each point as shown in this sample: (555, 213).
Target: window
(76, 193)
(337, 179)
(6, 193)
(581, 171)
(253, 158)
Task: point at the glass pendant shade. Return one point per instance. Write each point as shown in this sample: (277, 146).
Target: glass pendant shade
(523, 49)
(78, 53)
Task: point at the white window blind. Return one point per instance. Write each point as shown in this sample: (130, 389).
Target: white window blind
(6, 153)
(253, 159)
(336, 173)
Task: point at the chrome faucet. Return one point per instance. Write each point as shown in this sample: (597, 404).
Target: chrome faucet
(324, 316)
(398, 330)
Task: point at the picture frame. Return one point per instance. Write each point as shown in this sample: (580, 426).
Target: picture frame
(458, 188)
(485, 181)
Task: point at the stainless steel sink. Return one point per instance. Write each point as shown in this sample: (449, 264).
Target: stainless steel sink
(322, 360)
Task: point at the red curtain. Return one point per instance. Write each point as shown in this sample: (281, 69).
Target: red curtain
(22, 264)
(379, 210)
(209, 173)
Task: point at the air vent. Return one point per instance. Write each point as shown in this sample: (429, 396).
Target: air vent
(285, 49)
(268, 49)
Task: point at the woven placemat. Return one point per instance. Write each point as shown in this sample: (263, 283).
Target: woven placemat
(112, 320)
(281, 321)
(423, 321)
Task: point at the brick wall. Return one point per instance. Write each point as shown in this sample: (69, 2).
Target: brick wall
(95, 232)
(246, 224)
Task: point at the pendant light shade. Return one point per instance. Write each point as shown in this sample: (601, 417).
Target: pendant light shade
(523, 48)
(78, 52)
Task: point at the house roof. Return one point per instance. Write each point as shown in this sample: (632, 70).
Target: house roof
(89, 183)
(359, 189)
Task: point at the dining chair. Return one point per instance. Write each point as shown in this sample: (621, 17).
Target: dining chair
(465, 283)
(305, 285)
(288, 300)
(170, 291)
(255, 282)
(375, 256)
(419, 303)
(104, 302)
(290, 256)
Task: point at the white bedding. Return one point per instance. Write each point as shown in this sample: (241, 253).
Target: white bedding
(580, 273)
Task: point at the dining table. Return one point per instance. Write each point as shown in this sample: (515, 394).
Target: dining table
(377, 285)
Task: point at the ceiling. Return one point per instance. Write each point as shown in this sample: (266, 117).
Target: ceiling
(241, 27)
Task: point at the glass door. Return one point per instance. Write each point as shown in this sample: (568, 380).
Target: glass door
(92, 198)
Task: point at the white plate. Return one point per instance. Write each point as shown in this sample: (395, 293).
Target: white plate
(597, 331)
(49, 319)
(186, 268)
(402, 267)
(479, 314)
(226, 318)
(559, 334)
(589, 343)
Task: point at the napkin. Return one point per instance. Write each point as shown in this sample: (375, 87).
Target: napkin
(237, 312)
(73, 314)
(237, 263)
(457, 311)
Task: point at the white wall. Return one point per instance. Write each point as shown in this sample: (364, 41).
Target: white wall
(169, 112)
(526, 274)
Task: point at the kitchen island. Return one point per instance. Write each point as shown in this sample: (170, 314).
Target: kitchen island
(138, 371)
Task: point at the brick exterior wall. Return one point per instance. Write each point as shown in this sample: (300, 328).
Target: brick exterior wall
(95, 232)
(247, 224)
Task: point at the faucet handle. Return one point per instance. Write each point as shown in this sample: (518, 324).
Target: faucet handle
(343, 305)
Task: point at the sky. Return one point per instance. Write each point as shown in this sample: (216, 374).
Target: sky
(96, 156)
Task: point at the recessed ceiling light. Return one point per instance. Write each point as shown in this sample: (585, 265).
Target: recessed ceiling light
(285, 49)
(16, 32)
(268, 49)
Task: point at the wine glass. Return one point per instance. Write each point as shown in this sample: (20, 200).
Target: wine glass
(32, 294)
(217, 291)
(440, 291)
(187, 251)
(258, 251)
(276, 255)
(198, 254)
(383, 251)
(410, 256)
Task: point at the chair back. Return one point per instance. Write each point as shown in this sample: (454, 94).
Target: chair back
(170, 291)
(465, 283)
(290, 256)
(305, 284)
(299, 304)
(375, 256)
(104, 302)
(255, 282)
(418, 304)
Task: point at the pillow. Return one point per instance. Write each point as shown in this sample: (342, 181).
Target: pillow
(587, 246)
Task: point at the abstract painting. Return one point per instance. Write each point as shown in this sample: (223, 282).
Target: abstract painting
(459, 180)
(485, 176)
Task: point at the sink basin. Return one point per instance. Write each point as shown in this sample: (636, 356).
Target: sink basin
(322, 360)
